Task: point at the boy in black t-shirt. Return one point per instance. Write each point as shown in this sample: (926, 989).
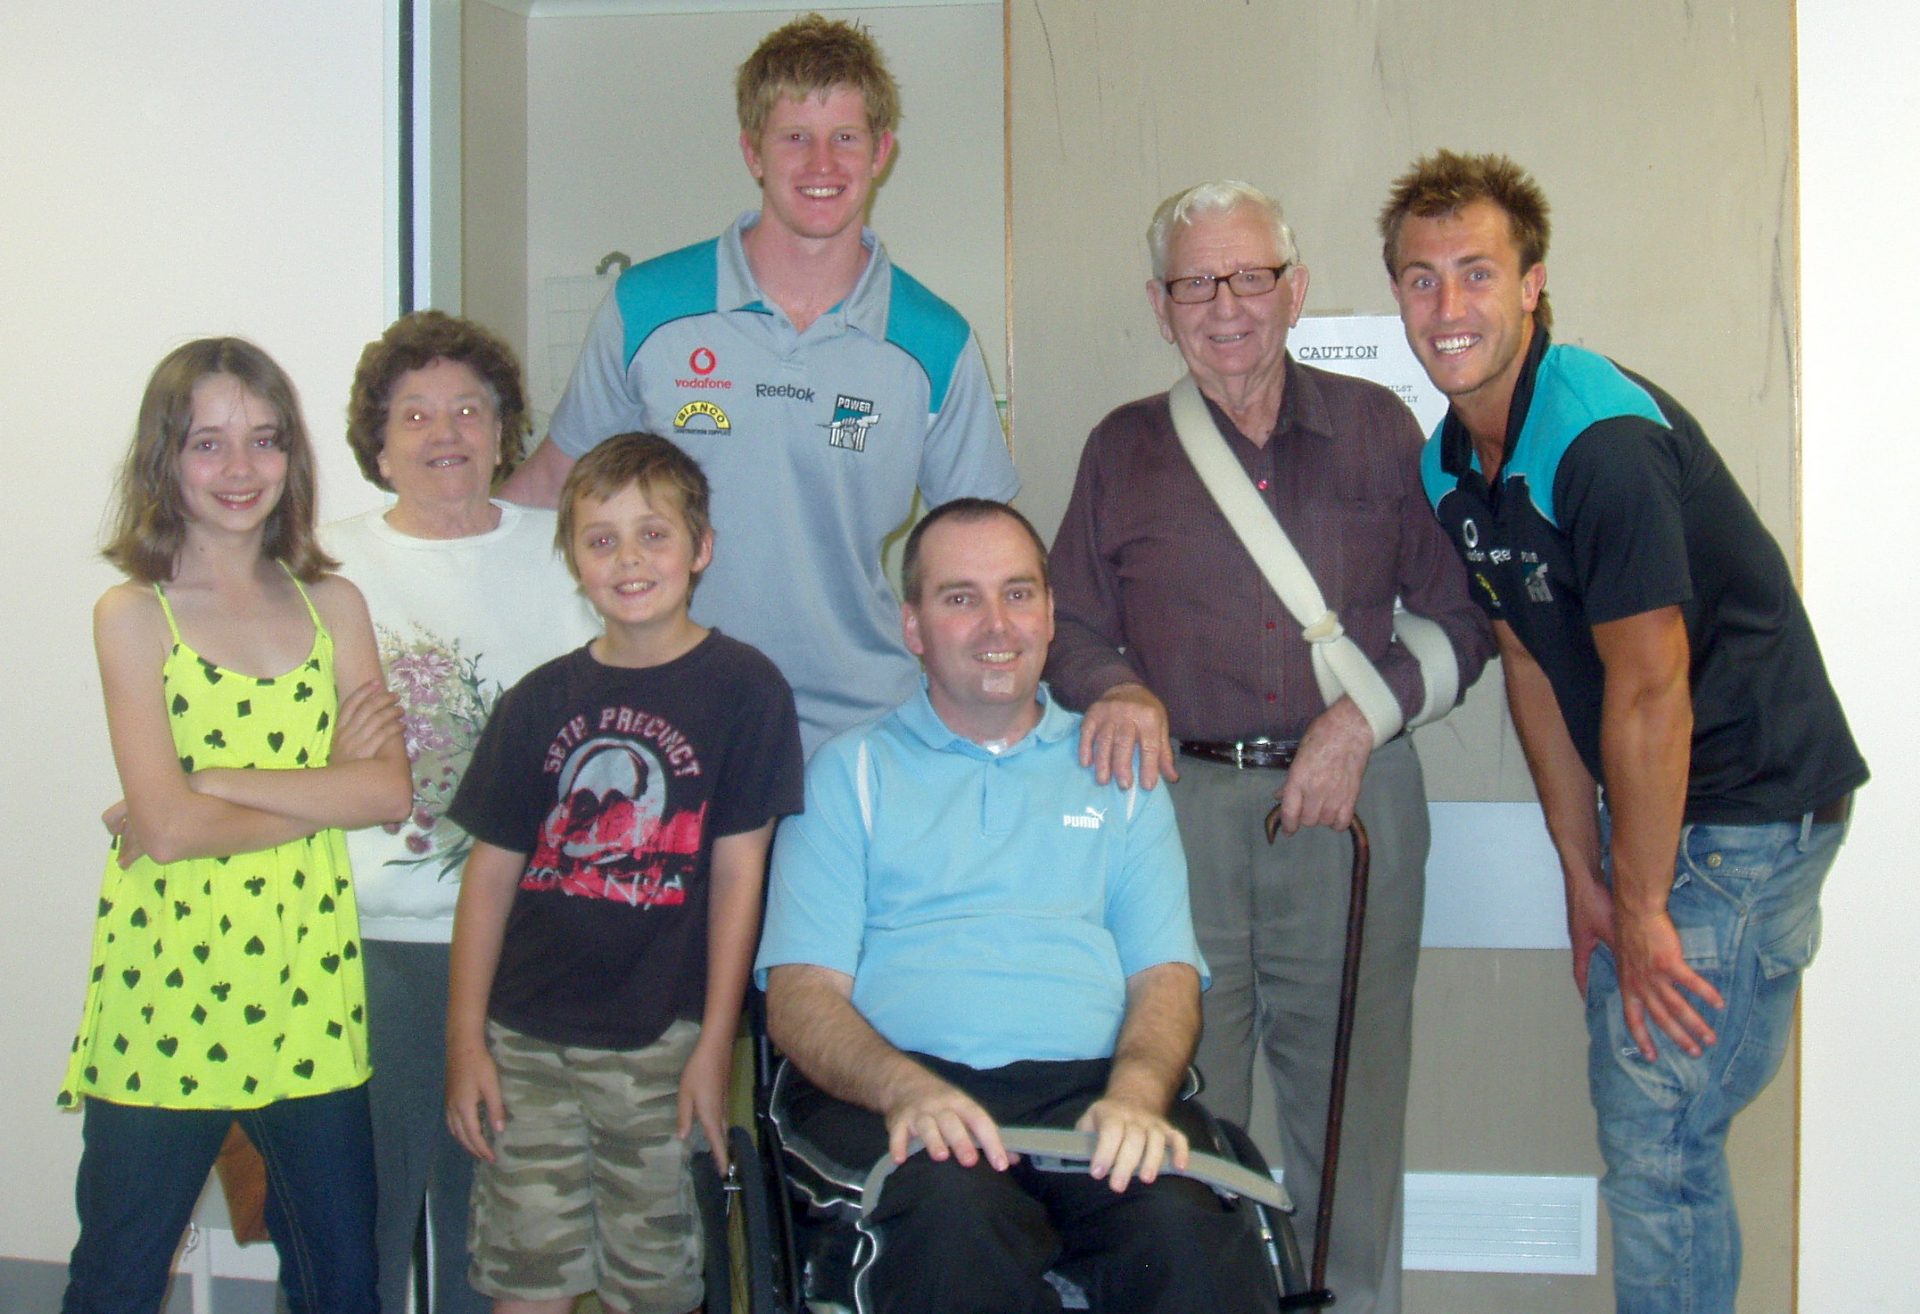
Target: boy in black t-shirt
(621, 801)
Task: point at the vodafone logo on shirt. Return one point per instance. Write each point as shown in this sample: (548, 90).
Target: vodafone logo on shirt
(703, 363)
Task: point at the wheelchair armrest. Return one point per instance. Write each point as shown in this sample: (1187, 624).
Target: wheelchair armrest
(1059, 1144)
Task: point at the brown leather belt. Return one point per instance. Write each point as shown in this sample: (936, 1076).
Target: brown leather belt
(1835, 812)
(1244, 754)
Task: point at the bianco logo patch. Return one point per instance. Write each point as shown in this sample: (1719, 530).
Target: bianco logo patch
(688, 417)
(1090, 819)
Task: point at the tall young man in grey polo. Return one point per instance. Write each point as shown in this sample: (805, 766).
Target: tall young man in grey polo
(1691, 757)
(817, 385)
(1165, 626)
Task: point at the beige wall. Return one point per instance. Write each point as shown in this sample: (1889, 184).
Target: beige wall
(493, 200)
(1664, 144)
(174, 171)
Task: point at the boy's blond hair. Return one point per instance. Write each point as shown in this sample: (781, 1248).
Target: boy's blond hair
(635, 460)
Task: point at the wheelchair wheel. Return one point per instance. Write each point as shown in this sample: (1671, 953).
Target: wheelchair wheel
(710, 1199)
(1283, 1249)
(759, 1233)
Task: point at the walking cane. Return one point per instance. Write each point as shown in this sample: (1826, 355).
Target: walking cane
(1317, 1295)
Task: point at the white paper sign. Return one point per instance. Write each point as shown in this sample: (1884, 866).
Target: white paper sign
(1369, 347)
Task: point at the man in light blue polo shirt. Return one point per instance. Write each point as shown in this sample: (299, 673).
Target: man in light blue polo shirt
(965, 929)
(817, 384)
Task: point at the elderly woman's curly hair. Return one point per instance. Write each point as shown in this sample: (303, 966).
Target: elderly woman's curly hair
(413, 342)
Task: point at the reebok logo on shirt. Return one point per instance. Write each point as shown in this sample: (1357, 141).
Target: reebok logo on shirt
(798, 394)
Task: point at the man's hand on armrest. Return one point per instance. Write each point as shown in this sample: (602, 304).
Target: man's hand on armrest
(1130, 1141)
(945, 1119)
(811, 1017)
(1162, 1025)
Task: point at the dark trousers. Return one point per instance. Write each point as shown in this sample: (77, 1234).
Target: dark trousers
(954, 1240)
(417, 1162)
(141, 1169)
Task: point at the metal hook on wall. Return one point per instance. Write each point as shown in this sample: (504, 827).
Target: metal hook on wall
(612, 258)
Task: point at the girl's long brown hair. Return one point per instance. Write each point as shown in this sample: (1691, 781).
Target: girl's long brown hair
(150, 521)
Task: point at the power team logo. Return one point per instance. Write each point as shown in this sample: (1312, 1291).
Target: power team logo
(685, 420)
(703, 363)
(852, 417)
(1537, 590)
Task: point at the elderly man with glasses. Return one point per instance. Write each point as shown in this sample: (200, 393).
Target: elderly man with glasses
(1191, 668)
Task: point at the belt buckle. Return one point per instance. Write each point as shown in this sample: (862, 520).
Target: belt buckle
(1239, 754)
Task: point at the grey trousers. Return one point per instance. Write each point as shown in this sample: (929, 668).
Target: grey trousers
(416, 1161)
(1272, 923)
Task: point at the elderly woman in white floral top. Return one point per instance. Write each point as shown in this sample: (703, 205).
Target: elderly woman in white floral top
(467, 595)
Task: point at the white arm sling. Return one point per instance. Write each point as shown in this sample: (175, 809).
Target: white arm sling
(1338, 664)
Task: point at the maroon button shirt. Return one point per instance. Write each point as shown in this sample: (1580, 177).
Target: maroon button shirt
(1151, 584)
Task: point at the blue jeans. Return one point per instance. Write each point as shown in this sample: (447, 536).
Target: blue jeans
(1746, 902)
(142, 1168)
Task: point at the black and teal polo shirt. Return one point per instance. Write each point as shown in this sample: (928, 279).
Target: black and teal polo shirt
(1610, 502)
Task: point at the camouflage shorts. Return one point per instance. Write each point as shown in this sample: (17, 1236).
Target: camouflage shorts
(590, 1189)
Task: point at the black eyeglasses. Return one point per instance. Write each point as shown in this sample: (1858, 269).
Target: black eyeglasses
(1198, 289)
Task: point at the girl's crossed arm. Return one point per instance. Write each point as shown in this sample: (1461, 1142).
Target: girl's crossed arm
(367, 780)
(165, 813)
(160, 815)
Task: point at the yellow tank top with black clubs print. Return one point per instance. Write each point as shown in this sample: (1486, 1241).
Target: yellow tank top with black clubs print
(231, 982)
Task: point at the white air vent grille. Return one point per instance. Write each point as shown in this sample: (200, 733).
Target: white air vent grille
(1480, 1223)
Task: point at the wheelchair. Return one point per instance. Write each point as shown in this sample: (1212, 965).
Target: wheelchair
(791, 1261)
(783, 1228)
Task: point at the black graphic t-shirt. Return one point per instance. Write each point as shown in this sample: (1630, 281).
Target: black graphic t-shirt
(615, 783)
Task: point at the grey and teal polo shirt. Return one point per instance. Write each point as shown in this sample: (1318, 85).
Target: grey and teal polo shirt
(1610, 502)
(814, 444)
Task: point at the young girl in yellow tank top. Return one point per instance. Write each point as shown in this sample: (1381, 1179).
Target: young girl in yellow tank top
(249, 723)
